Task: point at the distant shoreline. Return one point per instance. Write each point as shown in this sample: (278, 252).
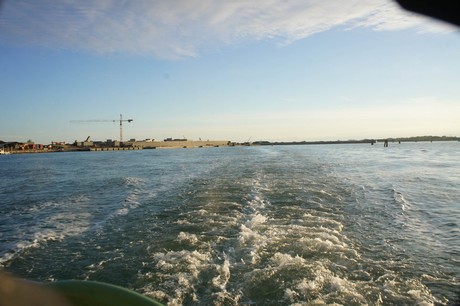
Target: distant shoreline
(369, 141)
(132, 146)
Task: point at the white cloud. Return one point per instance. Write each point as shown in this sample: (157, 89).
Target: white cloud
(182, 28)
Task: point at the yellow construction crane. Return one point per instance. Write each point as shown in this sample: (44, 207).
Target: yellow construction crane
(108, 120)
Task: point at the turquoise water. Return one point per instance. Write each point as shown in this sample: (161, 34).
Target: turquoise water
(270, 225)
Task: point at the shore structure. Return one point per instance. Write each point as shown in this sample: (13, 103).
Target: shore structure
(3, 152)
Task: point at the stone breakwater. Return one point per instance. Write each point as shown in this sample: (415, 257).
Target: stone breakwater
(179, 144)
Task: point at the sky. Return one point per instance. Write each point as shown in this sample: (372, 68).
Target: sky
(276, 70)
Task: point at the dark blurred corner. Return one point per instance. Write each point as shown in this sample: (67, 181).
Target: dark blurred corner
(447, 10)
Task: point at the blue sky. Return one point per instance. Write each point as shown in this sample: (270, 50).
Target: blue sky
(225, 70)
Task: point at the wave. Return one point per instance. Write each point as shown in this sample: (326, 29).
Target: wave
(399, 198)
(47, 221)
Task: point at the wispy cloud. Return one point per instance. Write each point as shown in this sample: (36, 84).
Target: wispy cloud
(183, 28)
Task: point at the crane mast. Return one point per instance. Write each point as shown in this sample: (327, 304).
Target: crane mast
(121, 127)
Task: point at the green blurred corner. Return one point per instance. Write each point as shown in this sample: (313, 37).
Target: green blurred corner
(90, 293)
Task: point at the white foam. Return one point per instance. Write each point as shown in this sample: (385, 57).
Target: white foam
(133, 181)
(183, 222)
(252, 241)
(56, 220)
(290, 295)
(326, 193)
(306, 285)
(180, 271)
(122, 211)
(399, 197)
(328, 285)
(252, 238)
(256, 220)
(339, 284)
(191, 260)
(221, 280)
(132, 200)
(202, 212)
(187, 237)
(281, 259)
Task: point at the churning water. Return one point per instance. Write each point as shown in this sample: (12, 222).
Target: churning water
(281, 225)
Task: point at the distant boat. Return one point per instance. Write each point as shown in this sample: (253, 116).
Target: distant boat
(3, 152)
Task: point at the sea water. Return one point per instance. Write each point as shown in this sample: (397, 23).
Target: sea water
(347, 224)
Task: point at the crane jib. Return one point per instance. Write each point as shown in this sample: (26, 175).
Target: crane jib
(121, 120)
